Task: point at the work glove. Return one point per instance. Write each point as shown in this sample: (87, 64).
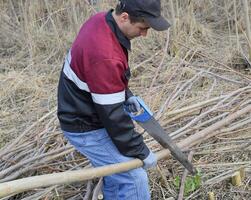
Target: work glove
(132, 104)
(150, 161)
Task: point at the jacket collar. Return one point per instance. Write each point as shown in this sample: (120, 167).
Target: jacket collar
(123, 40)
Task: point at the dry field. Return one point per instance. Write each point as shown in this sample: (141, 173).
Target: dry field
(196, 74)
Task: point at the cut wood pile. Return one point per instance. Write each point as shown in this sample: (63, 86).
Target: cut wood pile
(196, 78)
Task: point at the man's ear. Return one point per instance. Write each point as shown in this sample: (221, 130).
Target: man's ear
(124, 17)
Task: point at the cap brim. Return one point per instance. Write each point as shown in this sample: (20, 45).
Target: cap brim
(158, 23)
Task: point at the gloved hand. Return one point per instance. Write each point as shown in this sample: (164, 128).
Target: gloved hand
(132, 104)
(150, 161)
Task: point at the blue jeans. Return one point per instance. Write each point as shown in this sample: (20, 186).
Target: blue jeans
(98, 147)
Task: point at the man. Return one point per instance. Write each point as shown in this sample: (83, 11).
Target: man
(93, 90)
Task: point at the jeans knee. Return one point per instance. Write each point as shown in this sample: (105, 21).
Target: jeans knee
(127, 185)
(141, 182)
(139, 176)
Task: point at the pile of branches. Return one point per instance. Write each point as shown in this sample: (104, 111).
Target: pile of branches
(192, 78)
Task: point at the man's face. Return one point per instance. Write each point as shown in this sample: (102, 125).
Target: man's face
(133, 30)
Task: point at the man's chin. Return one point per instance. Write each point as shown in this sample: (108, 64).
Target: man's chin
(132, 37)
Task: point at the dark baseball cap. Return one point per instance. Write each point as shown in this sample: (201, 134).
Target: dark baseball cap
(147, 9)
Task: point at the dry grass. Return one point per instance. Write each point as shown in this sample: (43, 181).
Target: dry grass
(203, 57)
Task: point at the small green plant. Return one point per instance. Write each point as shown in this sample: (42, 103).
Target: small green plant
(192, 183)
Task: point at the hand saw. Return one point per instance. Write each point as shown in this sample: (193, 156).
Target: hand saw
(146, 120)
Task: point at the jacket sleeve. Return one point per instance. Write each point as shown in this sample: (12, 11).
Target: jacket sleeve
(108, 89)
(128, 93)
(121, 130)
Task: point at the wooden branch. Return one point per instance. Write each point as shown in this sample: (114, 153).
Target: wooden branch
(88, 190)
(183, 179)
(7, 148)
(211, 130)
(211, 196)
(33, 159)
(21, 185)
(161, 63)
(247, 20)
(97, 192)
(196, 119)
(216, 61)
(23, 170)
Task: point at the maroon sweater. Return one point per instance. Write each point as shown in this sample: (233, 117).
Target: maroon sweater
(93, 87)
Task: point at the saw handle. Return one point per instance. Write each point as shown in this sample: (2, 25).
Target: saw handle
(144, 116)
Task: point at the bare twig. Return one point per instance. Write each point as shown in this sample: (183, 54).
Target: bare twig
(183, 179)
